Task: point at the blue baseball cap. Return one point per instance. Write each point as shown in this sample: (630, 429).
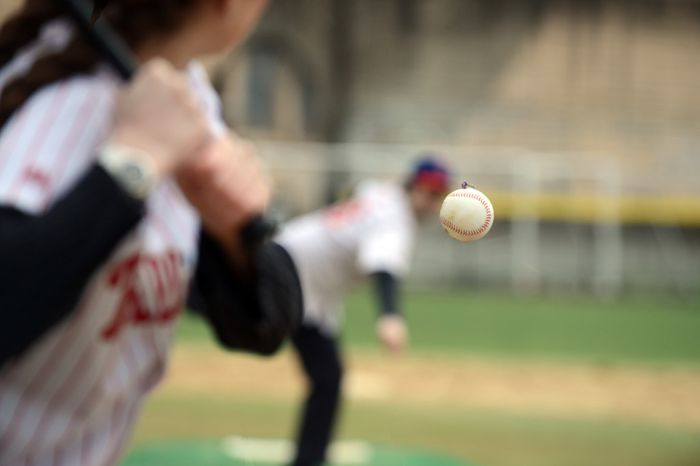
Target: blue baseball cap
(430, 173)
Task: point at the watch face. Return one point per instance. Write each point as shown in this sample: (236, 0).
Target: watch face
(133, 173)
(135, 179)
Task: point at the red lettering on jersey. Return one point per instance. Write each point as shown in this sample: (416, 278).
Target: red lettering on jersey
(165, 291)
(34, 175)
(345, 212)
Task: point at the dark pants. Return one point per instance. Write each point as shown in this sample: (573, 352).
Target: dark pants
(320, 357)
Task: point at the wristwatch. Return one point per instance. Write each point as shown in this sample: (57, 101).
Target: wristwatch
(130, 169)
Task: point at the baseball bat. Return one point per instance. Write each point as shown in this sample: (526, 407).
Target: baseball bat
(117, 53)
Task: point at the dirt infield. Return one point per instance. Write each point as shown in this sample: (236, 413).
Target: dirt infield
(668, 396)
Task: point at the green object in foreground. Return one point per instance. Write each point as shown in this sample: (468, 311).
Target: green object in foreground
(211, 453)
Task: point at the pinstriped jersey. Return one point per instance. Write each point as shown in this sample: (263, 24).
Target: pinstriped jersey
(73, 397)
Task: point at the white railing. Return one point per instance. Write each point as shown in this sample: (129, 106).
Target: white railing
(572, 222)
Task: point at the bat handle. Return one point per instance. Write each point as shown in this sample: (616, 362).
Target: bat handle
(104, 39)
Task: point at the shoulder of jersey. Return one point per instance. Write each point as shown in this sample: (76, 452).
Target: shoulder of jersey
(381, 190)
(99, 85)
(95, 93)
(384, 198)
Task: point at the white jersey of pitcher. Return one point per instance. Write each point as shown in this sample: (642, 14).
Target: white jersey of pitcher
(334, 248)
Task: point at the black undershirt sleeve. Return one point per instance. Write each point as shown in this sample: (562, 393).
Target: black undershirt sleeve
(386, 287)
(47, 260)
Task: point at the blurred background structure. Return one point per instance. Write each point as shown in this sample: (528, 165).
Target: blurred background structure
(580, 119)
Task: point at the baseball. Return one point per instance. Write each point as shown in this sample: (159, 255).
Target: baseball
(466, 214)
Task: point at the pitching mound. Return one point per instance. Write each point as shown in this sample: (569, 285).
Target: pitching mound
(236, 451)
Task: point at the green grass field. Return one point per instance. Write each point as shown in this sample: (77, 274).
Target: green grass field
(642, 329)
(654, 334)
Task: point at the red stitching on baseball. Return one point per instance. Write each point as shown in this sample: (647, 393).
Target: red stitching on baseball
(487, 220)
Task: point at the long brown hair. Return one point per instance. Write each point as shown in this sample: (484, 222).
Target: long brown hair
(134, 20)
